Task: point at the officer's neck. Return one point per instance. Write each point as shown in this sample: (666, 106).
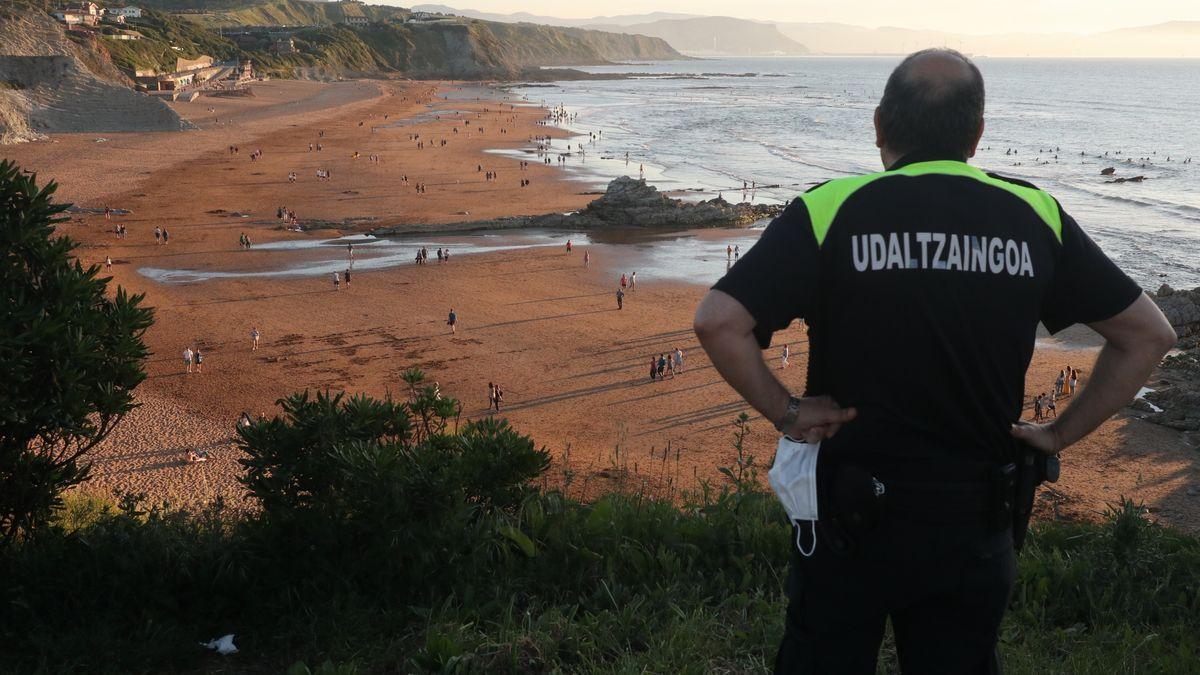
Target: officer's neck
(894, 160)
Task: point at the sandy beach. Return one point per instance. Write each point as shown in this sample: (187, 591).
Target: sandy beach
(537, 321)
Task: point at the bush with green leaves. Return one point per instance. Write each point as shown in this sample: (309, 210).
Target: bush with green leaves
(386, 537)
(70, 355)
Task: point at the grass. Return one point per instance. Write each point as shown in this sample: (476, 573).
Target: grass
(539, 582)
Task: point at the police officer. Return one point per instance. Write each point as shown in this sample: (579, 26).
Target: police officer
(922, 287)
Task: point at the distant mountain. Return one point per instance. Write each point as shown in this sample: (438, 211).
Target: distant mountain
(716, 35)
(526, 17)
(688, 33)
(1179, 39)
(1173, 39)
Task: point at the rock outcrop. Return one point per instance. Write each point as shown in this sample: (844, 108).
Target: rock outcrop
(1177, 391)
(1182, 309)
(627, 203)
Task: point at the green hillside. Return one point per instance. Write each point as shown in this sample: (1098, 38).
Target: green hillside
(460, 48)
(289, 13)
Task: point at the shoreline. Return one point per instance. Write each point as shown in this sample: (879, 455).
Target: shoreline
(535, 320)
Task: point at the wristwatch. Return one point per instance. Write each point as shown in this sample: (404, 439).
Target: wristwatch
(789, 417)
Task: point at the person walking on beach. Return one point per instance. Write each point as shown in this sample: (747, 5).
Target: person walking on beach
(784, 356)
(624, 280)
(1074, 381)
(157, 235)
(1037, 407)
(737, 252)
(187, 359)
(166, 236)
(1052, 404)
(653, 368)
(620, 299)
(347, 275)
(633, 281)
(728, 252)
(678, 360)
(497, 397)
(452, 321)
(337, 281)
(254, 337)
(1058, 382)
(108, 262)
(662, 366)
(199, 361)
(587, 259)
(850, 579)
(568, 246)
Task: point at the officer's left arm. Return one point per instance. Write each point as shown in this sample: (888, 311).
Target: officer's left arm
(1135, 341)
(1089, 288)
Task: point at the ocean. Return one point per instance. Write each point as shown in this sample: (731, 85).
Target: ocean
(787, 123)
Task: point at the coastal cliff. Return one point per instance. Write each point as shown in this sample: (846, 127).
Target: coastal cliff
(352, 39)
(50, 84)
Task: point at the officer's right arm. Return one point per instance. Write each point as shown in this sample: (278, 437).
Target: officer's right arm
(727, 333)
(771, 285)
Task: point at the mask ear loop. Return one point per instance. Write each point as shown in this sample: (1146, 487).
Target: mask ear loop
(800, 547)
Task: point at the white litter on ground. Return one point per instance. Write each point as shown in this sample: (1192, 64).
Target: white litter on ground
(222, 645)
(1142, 395)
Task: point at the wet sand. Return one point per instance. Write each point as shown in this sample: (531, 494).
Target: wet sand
(574, 369)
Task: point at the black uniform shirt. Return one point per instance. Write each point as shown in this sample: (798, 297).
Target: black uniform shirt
(922, 287)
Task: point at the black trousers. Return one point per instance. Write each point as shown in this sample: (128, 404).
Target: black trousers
(945, 588)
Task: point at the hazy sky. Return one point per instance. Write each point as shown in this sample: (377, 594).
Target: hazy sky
(963, 16)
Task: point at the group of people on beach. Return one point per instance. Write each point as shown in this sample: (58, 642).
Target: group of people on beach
(193, 359)
(287, 216)
(244, 241)
(337, 279)
(667, 365)
(495, 396)
(161, 236)
(443, 255)
(1045, 404)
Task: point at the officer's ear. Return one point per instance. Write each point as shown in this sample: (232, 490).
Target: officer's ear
(880, 141)
(978, 136)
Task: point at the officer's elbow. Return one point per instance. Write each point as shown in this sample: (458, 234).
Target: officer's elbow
(714, 316)
(1164, 338)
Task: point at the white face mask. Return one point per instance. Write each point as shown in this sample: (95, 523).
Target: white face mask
(793, 477)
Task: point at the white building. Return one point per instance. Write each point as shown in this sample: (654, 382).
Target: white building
(130, 12)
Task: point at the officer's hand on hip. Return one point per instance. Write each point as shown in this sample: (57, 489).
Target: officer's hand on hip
(818, 418)
(1043, 437)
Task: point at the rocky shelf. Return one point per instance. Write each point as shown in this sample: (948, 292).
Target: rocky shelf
(627, 203)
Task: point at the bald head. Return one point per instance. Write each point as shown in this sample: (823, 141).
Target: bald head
(933, 102)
